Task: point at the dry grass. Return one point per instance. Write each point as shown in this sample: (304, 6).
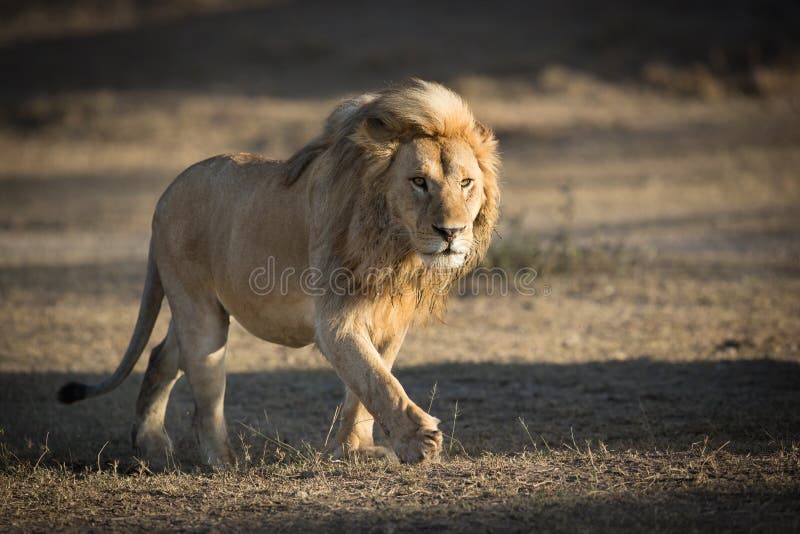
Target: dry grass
(561, 490)
(650, 384)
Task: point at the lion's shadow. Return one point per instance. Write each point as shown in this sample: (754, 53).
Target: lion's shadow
(638, 404)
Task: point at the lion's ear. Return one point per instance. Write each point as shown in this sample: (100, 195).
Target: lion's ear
(377, 137)
(378, 130)
(485, 133)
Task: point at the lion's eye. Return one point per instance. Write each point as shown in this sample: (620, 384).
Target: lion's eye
(466, 182)
(420, 182)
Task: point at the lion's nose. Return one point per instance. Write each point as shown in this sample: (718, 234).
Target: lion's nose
(448, 233)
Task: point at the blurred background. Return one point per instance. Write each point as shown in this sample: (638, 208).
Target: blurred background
(651, 175)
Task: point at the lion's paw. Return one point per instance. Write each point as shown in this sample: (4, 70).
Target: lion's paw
(369, 452)
(424, 442)
(154, 447)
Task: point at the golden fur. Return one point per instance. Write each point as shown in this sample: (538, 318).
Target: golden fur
(361, 137)
(399, 191)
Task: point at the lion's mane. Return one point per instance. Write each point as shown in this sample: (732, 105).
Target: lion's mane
(350, 158)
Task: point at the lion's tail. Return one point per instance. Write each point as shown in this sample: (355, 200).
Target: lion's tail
(152, 296)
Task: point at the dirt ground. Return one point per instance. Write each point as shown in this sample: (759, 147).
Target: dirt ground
(651, 175)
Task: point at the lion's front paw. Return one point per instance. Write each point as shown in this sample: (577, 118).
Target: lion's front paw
(424, 442)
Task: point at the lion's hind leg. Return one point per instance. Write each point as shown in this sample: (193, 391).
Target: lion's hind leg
(150, 439)
(202, 328)
(354, 438)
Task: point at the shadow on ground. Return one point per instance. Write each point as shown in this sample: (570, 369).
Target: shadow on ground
(314, 49)
(638, 404)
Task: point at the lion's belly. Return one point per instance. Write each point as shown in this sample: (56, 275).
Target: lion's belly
(284, 319)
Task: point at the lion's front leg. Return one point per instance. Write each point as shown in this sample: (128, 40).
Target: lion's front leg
(355, 434)
(412, 433)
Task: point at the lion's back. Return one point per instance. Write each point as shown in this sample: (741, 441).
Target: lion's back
(201, 206)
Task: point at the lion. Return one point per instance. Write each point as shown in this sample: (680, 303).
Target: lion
(399, 192)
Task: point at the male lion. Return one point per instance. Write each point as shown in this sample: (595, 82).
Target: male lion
(399, 192)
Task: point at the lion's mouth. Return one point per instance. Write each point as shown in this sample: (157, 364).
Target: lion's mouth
(443, 259)
(446, 252)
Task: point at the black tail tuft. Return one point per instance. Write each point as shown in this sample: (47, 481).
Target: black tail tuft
(72, 392)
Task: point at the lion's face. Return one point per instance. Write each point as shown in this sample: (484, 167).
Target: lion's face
(436, 189)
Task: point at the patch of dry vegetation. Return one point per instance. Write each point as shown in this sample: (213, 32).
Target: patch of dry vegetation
(564, 489)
